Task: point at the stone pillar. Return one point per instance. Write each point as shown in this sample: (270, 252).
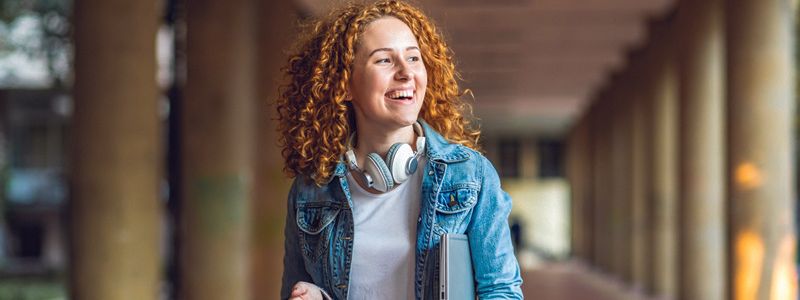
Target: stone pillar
(621, 172)
(628, 216)
(601, 184)
(702, 155)
(577, 173)
(616, 196)
(614, 156)
(276, 28)
(761, 110)
(571, 158)
(529, 157)
(607, 210)
(5, 162)
(586, 213)
(591, 191)
(639, 178)
(117, 152)
(663, 187)
(217, 149)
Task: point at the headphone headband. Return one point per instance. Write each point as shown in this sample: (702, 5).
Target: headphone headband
(391, 170)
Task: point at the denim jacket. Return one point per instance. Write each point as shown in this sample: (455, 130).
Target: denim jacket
(460, 194)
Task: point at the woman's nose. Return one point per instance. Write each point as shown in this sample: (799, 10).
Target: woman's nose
(404, 72)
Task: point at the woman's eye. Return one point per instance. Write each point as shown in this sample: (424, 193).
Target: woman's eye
(413, 58)
(383, 61)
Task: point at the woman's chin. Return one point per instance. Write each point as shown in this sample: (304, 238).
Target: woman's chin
(409, 120)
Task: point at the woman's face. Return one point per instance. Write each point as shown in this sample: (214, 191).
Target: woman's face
(389, 78)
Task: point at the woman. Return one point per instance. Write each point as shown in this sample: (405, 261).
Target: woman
(384, 160)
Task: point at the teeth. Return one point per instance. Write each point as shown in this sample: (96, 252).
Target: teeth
(401, 94)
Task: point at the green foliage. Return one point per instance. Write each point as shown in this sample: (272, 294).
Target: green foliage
(51, 38)
(11, 9)
(32, 289)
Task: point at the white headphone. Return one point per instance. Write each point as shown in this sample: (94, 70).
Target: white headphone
(400, 163)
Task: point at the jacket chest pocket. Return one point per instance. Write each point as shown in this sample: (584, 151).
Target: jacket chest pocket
(314, 221)
(453, 208)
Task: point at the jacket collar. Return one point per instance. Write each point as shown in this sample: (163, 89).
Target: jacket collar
(437, 148)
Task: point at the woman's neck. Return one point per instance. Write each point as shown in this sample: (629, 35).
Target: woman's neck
(376, 141)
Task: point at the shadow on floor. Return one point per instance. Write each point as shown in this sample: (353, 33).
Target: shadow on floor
(572, 280)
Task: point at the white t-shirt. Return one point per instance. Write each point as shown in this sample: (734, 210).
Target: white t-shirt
(385, 240)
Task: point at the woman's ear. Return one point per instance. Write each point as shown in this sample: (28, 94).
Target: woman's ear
(347, 95)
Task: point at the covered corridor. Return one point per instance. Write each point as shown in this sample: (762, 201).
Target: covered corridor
(649, 146)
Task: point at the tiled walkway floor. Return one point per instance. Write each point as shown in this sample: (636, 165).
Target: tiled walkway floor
(572, 280)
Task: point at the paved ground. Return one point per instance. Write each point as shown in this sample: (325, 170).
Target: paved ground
(572, 280)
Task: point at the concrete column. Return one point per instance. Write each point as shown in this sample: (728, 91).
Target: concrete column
(609, 213)
(589, 199)
(117, 152)
(577, 170)
(586, 237)
(601, 183)
(571, 159)
(630, 90)
(663, 188)
(276, 28)
(761, 110)
(620, 174)
(604, 211)
(217, 149)
(5, 160)
(639, 178)
(529, 157)
(608, 210)
(702, 155)
(614, 176)
(591, 145)
(626, 257)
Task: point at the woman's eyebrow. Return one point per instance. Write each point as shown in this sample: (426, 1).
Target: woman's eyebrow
(380, 49)
(390, 50)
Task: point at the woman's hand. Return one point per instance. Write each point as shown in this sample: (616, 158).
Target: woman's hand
(305, 291)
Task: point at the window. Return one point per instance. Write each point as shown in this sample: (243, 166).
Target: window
(509, 152)
(551, 158)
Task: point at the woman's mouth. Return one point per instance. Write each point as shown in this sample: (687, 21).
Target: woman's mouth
(401, 95)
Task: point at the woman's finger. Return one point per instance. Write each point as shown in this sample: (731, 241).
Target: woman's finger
(299, 292)
(299, 289)
(305, 291)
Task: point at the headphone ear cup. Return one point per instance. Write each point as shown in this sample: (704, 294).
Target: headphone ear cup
(377, 169)
(397, 160)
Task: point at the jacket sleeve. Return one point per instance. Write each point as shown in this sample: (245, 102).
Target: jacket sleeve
(294, 269)
(497, 273)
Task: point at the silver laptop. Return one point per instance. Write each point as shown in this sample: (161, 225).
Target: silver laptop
(456, 281)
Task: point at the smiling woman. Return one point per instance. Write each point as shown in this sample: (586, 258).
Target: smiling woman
(320, 72)
(388, 85)
(372, 97)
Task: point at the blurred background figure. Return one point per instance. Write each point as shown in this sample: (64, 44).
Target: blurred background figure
(649, 146)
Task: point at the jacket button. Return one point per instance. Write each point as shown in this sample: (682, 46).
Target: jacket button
(452, 201)
(430, 172)
(346, 238)
(341, 286)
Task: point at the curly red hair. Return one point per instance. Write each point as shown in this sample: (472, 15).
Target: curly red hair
(314, 120)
